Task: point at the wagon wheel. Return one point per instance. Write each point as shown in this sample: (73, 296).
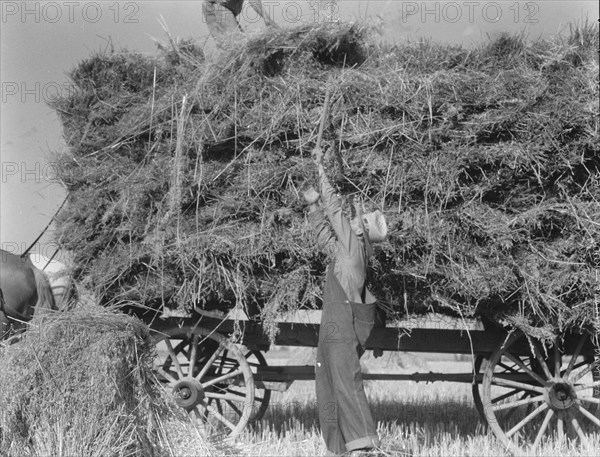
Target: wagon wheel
(210, 378)
(527, 398)
(476, 389)
(262, 396)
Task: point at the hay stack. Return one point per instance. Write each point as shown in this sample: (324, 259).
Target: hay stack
(78, 383)
(185, 176)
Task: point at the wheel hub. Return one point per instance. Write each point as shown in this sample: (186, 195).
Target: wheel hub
(561, 395)
(188, 393)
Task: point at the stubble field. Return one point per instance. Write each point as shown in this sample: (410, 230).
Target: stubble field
(413, 418)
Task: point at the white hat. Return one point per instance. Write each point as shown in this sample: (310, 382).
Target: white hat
(376, 226)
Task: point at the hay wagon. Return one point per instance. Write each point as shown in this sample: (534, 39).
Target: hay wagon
(523, 390)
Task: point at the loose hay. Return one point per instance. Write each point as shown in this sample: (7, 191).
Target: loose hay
(485, 161)
(79, 383)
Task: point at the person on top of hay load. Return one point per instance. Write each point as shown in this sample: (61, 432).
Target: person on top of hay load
(221, 16)
(348, 317)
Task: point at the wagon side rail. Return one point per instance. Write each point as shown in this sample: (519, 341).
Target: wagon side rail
(253, 335)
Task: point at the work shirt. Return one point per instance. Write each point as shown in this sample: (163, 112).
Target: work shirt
(235, 6)
(339, 241)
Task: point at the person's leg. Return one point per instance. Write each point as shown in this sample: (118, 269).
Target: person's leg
(326, 390)
(345, 415)
(356, 422)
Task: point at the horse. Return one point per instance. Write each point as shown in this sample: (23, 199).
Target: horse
(24, 291)
(59, 275)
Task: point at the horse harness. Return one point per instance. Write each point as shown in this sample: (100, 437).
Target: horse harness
(2, 304)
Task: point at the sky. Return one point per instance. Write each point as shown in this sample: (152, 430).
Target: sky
(40, 42)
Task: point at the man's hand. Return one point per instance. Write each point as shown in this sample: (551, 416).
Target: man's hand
(358, 208)
(317, 155)
(311, 195)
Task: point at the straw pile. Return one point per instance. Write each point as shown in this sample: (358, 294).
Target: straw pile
(185, 176)
(78, 383)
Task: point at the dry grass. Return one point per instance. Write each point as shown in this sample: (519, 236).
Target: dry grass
(80, 383)
(485, 162)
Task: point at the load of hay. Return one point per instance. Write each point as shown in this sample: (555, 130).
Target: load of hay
(185, 176)
(79, 383)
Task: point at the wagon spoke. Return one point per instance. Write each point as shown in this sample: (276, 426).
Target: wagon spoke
(557, 361)
(235, 408)
(179, 348)
(584, 372)
(219, 406)
(222, 361)
(526, 420)
(242, 396)
(517, 385)
(235, 392)
(166, 374)
(516, 403)
(506, 367)
(528, 370)
(543, 428)
(575, 366)
(560, 427)
(542, 362)
(218, 379)
(589, 415)
(227, 399)
(571, 364)
(227, 362)
(220, 417)
(587, 386)
(590, 400)
(209, 362)
(514, 410)
(193, 355)
(506, 395)
(174, 357)
(224, 397)
(577, 427)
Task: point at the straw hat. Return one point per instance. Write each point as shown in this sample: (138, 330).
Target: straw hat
(377, 227)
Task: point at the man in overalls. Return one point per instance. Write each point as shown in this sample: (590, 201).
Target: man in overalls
(347, 320)
(221, 16)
